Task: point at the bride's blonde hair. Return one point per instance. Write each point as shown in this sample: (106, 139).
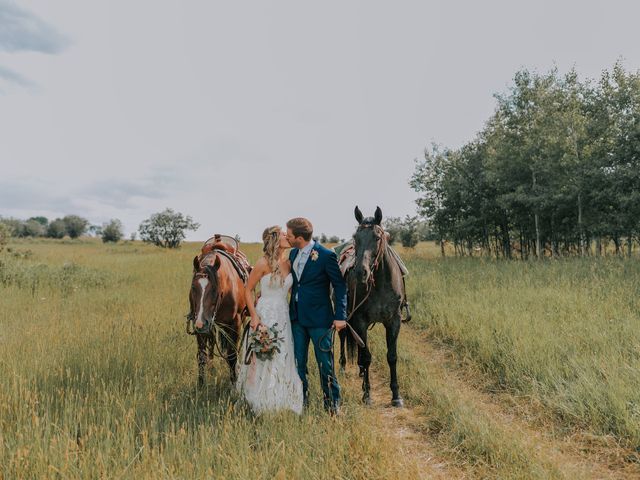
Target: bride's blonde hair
(271, 249)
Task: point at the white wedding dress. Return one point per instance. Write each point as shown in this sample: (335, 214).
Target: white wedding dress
(270, 385)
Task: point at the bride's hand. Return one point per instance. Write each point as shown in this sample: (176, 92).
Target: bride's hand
(255, 322)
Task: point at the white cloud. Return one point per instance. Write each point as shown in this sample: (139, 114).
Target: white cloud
(22, 31)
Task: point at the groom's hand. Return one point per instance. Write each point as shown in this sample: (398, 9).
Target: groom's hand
(339, 324)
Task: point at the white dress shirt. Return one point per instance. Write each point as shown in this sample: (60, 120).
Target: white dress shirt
(301, 260)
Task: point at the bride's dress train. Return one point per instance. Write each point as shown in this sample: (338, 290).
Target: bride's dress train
(270, 385)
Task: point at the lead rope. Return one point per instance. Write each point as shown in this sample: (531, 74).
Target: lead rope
(245, 339)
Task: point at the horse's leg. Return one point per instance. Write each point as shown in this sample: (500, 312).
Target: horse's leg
(365, 358)
(360, 363)
(343, 358)
(393, 329)
(202, 357)
(360, 359)
(231, 347)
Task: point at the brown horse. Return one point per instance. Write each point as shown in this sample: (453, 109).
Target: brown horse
(217, 309)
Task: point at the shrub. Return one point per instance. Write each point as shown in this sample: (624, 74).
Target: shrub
(56, 229)
(5, 234)
(112, 231)
(32, 228)
(75, 226)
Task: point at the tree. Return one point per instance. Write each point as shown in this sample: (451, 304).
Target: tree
(112, 231)
(41, 220)
(14, 225)
(393, 226)
(32, 228)
(57, 229)
(75, 226)
(166, 229)
(409, 232)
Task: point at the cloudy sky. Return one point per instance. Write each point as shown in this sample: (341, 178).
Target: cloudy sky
(245, 114)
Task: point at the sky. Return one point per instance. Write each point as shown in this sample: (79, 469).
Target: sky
(246, 114)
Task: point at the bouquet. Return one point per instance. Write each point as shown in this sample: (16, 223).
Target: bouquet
(265, 342)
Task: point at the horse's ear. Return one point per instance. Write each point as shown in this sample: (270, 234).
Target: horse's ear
(359, 216)
(378, 216)
(196, 264)
(212, 270)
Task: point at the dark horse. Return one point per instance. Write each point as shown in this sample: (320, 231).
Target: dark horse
(217, 309)
(376, 294)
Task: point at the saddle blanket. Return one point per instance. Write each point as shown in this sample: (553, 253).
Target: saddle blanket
(347, 258)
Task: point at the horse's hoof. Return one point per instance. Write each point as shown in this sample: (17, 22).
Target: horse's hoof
(361, 372)
(342, 371)
(366, 400)
(397, 402)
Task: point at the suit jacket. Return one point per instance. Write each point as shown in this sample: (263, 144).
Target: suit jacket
(314, 308)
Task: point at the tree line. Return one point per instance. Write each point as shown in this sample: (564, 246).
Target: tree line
(167, 229)
(73, 226)
(164, 229)
(555, 171)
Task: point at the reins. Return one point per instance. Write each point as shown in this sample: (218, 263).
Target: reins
(369, 288)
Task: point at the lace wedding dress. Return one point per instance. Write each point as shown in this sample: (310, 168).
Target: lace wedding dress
(270, 385)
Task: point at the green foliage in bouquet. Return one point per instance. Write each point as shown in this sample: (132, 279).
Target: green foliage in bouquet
(265, 342)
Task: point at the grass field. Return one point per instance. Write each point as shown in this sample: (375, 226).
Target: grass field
(97, 378)
(566, 333)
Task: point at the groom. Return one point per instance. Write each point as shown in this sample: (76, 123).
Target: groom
(314, 269)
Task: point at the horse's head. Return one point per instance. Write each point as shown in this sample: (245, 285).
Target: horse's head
(203, 296)
(369, 242)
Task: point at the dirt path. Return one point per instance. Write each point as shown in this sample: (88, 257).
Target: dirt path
(417, 455)
(574, 456)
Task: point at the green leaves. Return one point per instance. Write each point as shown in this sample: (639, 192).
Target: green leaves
(556, 164)
(166, 229)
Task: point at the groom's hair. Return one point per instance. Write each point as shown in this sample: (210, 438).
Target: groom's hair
(301, 227)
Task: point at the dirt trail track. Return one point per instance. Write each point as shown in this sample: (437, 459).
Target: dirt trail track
(573, 456)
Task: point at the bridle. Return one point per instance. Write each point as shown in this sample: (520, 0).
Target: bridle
(191, 316)
(371, 281)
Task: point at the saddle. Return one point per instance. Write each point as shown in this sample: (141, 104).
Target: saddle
(347, 260)
(228, 246)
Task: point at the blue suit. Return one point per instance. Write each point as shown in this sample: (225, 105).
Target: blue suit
(312, 315)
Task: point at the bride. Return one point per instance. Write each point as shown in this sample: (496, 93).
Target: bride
(274, 384)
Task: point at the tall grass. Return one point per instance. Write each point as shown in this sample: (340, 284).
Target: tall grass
(97, 378)
(566, 332)
(99, 382)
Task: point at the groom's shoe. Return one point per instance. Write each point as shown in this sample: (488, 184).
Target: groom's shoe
(333, 408)
(305, 400)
